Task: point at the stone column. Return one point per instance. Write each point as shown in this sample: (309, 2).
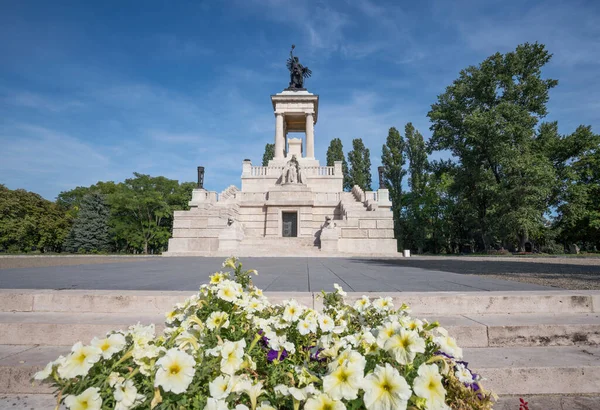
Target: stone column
(310, 136)
(279, 139)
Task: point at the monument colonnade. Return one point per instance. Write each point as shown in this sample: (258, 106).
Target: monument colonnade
(281, 135)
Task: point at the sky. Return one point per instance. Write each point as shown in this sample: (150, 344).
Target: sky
(94, 91)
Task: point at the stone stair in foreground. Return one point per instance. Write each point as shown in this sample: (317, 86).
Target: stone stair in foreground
(524, 343)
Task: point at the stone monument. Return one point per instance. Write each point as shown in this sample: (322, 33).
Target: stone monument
(280, 208)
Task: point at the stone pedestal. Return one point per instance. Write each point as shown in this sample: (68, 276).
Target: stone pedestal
(290, 194)
(330, 239)
(230, 237)
(201, 197)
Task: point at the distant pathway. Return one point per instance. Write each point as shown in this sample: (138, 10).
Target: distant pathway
(275, 274)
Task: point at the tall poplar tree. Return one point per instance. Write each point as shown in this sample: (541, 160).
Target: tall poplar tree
(269, 154)
(360, 165)
(417, 166)
(393, 159)
(335, 152)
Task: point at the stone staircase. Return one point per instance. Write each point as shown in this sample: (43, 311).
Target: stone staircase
(525, 343)
(298, 246)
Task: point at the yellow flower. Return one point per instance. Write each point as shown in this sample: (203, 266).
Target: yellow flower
(385, 389)
(175, 372)
(405, 346)
(217, 320)
(80, 361)
(343, 383)
(110, 345)
(323, 402)
(428, 385)
(88, 400)
(217, 278)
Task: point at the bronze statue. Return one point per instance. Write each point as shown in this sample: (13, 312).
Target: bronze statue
(297, 72)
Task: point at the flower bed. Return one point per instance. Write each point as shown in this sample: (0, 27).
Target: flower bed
(227, 347)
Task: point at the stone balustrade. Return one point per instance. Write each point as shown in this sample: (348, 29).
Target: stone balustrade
(309, 171)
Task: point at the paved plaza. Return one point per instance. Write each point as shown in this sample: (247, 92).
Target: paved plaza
(283, 274)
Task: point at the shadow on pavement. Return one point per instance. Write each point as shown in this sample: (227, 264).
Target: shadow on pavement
(491, 267)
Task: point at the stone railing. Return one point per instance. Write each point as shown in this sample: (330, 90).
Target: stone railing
(264, 171)
(358, 193)
(318, 171)
(228, 193)
(309, 171)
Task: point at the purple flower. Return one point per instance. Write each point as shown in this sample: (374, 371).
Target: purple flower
(273, 354)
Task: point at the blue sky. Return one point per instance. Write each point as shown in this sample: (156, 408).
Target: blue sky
(94, 91)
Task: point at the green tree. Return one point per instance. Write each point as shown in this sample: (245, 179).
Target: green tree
(393, 159)
(90, 230)
(269, 154)
(335, 152)
(487, 118)
(416, 200)
(29, 222)
(360, 165)
(577, 157)
(142, 211)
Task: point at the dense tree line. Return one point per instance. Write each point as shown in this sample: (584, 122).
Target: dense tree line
(134, 216)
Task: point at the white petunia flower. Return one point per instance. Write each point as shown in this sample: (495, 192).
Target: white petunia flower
(448, 344)
(383, 304)
(220, 387)
(252, 390)
(463, 374)
(405, 346)
(45, 373)
(80, 361)
(175, 372)
(110, 345)
(88, 400)
(292, 311)
(428, 385)
(386, 331)
(349, 358)
(232, 356)
(326, 323)
(385, 389)
(141, 334)
(307, 326)
(229, 291)
(339, 290)
(343, 383)
(214, 404)
(362, 304)
(126, 395)
(217, 320)
(323, 402)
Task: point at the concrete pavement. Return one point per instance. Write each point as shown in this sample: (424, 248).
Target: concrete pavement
(275, 274)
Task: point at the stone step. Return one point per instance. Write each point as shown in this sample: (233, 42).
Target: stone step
(67, 328)
(538, 370)
(506, 402)
(509, 371)
(431, 304)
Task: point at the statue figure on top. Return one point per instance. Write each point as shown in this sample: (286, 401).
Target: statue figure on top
(297, 72)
